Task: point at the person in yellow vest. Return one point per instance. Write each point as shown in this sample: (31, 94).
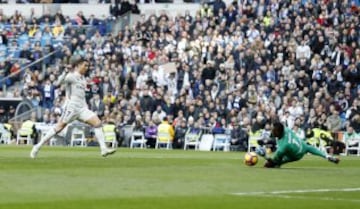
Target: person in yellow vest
(110, 127)
(28, 128)
(206, 10)
(10, 129)
(165, 130)
(320, 138)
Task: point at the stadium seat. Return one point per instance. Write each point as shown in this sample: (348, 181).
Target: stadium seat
(350, 145)
(221, 142)
(110, 139)
(138, 140)
(167, 143)
(253, 142)
(5, 138)
(206, 142)
(78, 137)
(192, 140)
(24, 137)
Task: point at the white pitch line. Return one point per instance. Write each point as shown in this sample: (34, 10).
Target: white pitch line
(298, 191)
(310, 198)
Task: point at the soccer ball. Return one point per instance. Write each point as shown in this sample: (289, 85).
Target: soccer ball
(251, 158)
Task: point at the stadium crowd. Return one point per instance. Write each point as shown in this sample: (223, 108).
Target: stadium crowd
(229, 67)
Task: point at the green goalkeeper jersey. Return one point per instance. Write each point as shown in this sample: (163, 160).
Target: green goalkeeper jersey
(289, 146)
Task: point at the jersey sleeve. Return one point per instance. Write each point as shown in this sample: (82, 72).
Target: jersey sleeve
(69, 78)
(60, 79)
(65, 78)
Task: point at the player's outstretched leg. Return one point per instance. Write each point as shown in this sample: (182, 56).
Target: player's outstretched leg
(333, 159)
(95, 122)
(99, 134)
(51, 133)
(323, 154)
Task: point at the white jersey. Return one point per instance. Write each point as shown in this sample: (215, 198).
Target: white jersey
(75, 85)
(75, 107)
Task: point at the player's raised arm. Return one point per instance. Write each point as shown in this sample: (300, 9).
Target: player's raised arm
(64, 77)
(60, 79)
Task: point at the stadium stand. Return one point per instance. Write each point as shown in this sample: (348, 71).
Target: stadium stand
(225, 63)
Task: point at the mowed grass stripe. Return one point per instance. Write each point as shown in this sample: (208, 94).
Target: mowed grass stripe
(81, 176)
(180, 202)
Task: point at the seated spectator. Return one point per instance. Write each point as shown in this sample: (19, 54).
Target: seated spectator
(298, 131)
(216, 127)
(194, 129)
(150, 134)
(138, 124)
(351, 138)
(319, 137)
(28, 128)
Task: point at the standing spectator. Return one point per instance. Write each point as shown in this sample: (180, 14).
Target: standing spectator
(165, 130)
(4, 118)
(124, 7)
(239, 138)
(48, 94)
(218, 5)
(180, 132)
(97, 105)
(147, 102)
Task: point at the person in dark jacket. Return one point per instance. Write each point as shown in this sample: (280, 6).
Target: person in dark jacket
(239, 138)
(147, 102)
(180, 132)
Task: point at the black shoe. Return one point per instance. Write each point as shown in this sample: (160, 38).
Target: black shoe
(334, 159)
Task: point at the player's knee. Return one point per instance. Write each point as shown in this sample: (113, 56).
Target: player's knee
(97, 124)
(60, 126)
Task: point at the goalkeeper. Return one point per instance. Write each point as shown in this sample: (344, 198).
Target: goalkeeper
(289, 148)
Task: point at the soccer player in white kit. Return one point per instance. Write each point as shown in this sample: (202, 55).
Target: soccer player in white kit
(76, 108)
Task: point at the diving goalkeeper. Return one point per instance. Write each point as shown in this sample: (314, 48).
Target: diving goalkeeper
(290, 148)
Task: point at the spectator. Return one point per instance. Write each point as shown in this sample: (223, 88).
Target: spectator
(248, 60)
(158, 114)
(333, 122)
(351, 138)
(239, 138)
(180, 132)
(97, 105)
(165, 130)
(4, 118)
(150, 134)
(48, 94)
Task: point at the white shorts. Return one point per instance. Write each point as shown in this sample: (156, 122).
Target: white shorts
(71, 114)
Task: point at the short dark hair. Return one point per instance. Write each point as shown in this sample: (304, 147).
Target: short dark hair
(278, 129)
(79, 61)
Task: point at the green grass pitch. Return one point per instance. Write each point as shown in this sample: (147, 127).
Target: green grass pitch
(76, 178)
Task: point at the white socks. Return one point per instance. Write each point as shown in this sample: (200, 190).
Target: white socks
(47, 137)
(99, 134)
